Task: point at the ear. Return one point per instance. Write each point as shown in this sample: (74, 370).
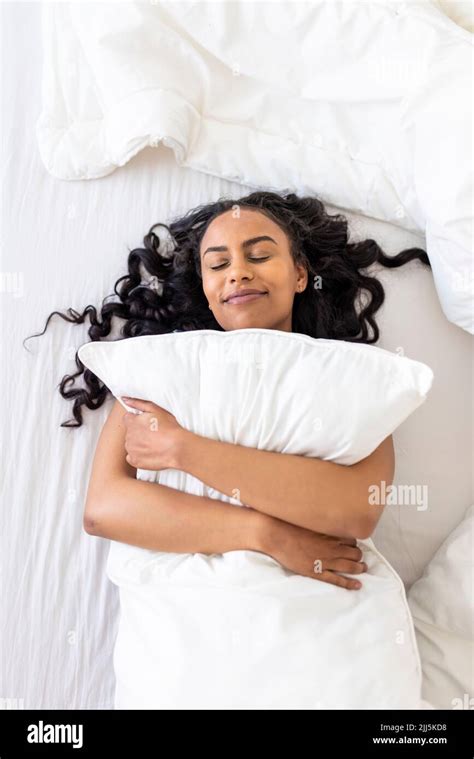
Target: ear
(302, 277)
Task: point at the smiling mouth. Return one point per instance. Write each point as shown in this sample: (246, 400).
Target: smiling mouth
(237, 299)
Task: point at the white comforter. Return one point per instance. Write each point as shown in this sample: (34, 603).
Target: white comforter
(239, 631)
(361, 103)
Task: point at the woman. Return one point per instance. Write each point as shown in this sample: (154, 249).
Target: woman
(268, 261)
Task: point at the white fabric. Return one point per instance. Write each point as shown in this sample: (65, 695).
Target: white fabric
(238, 630)
(267, 388)
(365, 104)
(459, 11)
(442, 604)
(67, 243)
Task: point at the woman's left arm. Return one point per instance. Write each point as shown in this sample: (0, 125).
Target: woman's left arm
(320, 495)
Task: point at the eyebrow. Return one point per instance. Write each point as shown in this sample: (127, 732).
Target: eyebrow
(244, 244)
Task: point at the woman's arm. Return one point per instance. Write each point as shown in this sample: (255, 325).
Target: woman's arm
(160, 518)
(157, 517)
(319, 495)
(308, 492)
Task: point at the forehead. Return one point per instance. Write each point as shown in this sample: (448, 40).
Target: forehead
(247, 223)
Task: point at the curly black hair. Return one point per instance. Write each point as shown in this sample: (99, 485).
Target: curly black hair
(317, 239)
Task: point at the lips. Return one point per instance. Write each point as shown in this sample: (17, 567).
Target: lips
(245, 297)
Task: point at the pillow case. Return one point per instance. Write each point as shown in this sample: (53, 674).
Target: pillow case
(330, 398)
(238, 630)
(370, 119)
(442, 605)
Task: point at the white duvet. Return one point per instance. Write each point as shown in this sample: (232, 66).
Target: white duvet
(366, 104)
(239, 630)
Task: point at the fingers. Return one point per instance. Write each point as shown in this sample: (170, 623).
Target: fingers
(347, 541)
(326, 570)
(343, 565)
(348, 552)
(338, 539)
(128, 416)
(343, 582)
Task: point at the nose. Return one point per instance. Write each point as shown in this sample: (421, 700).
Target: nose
(239, 269)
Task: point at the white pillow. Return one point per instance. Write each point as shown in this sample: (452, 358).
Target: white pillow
(442, 604)
(328, 398)
(365, 108)
(238, 629)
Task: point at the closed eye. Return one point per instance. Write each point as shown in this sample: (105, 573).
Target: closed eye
(216, 268)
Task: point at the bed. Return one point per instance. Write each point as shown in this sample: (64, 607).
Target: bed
(65, 242)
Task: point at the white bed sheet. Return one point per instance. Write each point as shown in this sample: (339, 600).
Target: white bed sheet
(65, 244)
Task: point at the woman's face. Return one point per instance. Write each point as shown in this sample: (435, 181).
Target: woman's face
(233, 258)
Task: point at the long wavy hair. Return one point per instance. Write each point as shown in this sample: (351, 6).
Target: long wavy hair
(317, 239)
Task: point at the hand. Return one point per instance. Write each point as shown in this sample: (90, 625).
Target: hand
(313, 554)
(152, 436)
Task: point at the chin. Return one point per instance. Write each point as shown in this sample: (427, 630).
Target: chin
(249, 325)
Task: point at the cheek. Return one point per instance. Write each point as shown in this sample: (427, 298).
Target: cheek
(206, 285)
(211, 288)
(280, 282)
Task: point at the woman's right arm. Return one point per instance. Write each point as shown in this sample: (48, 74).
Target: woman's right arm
(154, 516)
